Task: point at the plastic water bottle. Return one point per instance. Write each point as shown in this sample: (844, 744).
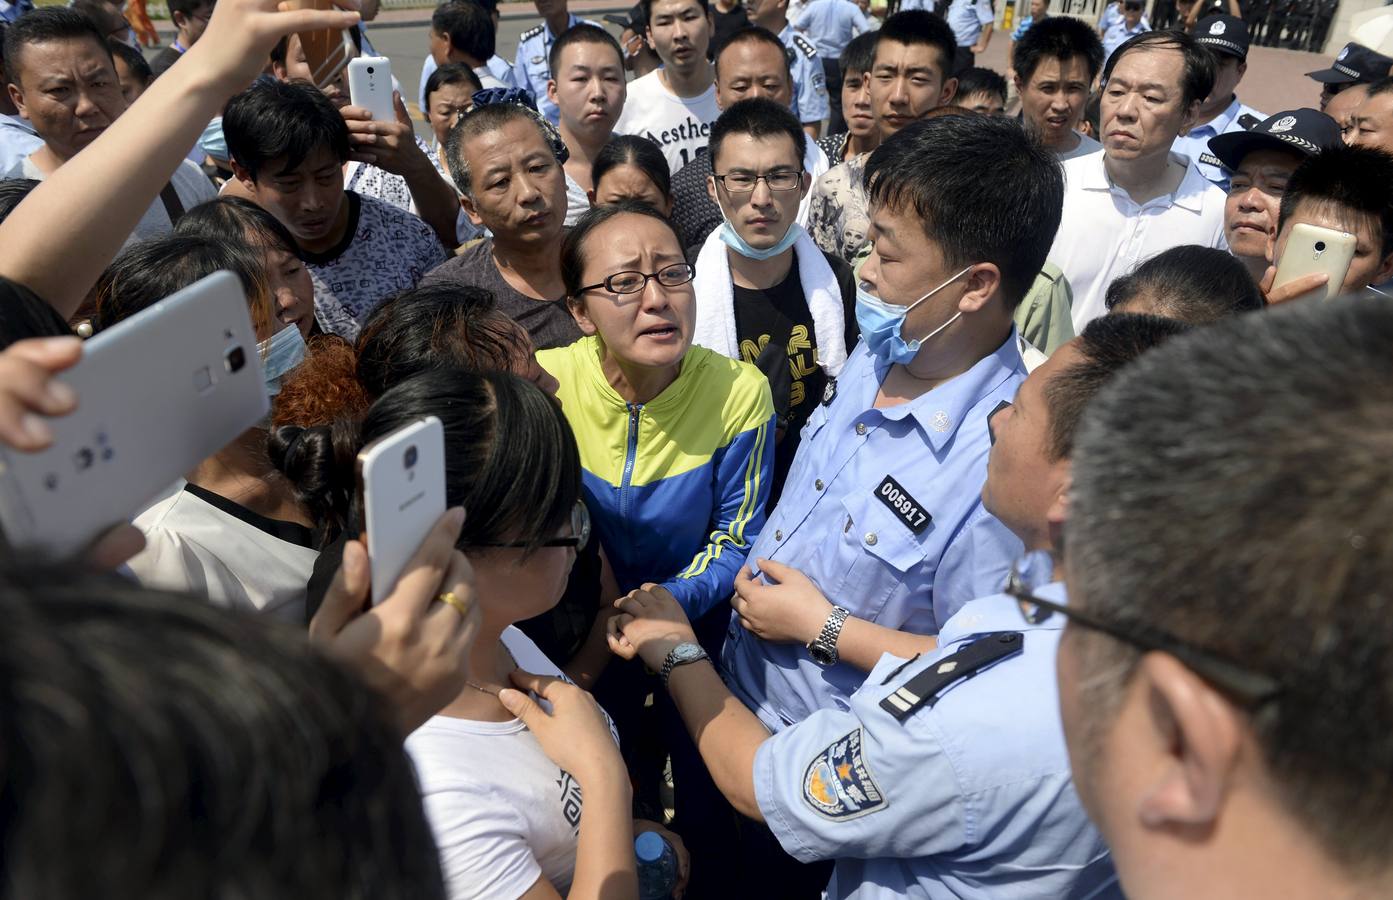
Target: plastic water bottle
(657, 866)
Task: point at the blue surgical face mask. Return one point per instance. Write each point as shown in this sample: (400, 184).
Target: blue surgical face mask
(280, 353)
(882, 322)
(732, 239)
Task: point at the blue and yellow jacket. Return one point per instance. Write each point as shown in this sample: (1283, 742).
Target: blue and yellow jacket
(676, 486)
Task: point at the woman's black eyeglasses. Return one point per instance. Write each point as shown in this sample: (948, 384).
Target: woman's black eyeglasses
(631, 282)
(579, 537)
(1034, 570)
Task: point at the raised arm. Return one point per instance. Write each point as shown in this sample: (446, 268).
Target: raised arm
(82, 205)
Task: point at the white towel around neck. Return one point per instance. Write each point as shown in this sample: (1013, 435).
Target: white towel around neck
(715, 301)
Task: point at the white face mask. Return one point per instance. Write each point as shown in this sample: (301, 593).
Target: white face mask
(280, 353)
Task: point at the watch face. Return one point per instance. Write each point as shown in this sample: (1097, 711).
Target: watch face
(687, 653)
(820, 655)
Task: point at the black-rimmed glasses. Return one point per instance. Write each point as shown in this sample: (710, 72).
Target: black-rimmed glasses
(579, 537)
(745, 182)
(1034, 570)
(633, 281)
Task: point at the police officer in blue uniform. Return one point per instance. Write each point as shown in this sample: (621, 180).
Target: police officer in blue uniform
(809, 80)
(531, 69)
(945, 775)
(1222, 112)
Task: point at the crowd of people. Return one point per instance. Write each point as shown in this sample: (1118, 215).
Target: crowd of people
(867, 474)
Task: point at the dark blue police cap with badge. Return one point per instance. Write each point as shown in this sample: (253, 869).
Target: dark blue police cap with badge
(1302, 131)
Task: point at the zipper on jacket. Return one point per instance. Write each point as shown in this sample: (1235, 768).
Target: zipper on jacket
(630, 453)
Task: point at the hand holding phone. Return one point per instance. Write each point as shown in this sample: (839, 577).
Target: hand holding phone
(401, 482)
(1313, 250)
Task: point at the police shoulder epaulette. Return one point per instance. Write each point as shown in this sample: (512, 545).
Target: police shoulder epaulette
(924, 688)
(531, 33)
(807, 46)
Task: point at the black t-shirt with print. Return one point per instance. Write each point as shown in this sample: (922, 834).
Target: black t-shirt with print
(775, 331)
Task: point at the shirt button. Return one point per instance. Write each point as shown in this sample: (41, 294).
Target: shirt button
(778, 535)
(860, 427)
(818, 484)
(870, 538)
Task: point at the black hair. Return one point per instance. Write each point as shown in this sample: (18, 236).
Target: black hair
(1357, 178)
(45, 24)
(754, 34)
(448, 74)
(187, 7)
(859, 54)
(192, 752)
(582, 33)
(1191, 283)
(277, 120)
(486, 119)
(237, 219)
(978, 80)
(148, 271)
(758, 117)
(30, 316)
(1061, 38)
(648, 10)
(632, 150)
(573, 244)
(1107, 344)
(492, 420)
(436, 326)
(957, 172)
(467, 26)
(1197, 77)
(1382, 86)
(135, 61)
(915, 27)
(12, 193)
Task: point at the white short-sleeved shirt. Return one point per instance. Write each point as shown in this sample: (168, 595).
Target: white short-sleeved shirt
(192, 186)
(1103, 234)
(577, 201)
(502, 812)
(199, 542)
(678, 125)
(1085, 146)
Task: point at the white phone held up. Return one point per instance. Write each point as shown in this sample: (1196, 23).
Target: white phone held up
(401, 485)
(157, 393)
(370, 86)
(1311, 249)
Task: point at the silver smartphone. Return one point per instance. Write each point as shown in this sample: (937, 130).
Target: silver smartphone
(401, 485)
(157, 394)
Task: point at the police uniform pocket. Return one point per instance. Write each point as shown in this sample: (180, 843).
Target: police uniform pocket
(882, 550)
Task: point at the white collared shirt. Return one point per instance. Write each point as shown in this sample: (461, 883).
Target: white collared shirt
(1104, 234)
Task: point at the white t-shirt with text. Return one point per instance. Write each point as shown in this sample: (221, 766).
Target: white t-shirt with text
(678, 125)
(502, 812)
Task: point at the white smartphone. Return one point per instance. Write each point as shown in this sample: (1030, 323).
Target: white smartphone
(370, 86)
(401, 486)
(157, 394)
(1311, 249)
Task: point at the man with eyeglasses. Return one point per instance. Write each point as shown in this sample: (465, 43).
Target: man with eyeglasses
(947, 774)
(1224, 677)
(765, 293)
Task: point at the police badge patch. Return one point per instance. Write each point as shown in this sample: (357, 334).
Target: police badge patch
(838, 784)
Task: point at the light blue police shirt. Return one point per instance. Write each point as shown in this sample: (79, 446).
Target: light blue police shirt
(1195, 144)
(882, 510)
(926, 5)
(971, 797)
(531, 69)
(1117, 34)
(967, 18)
(809, 81)
(831, 24)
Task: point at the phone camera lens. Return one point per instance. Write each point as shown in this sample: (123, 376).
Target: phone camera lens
(235, 359)
(410, 458)
(1320, 246)
(371, 70)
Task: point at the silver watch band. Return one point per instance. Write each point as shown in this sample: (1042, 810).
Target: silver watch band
(680, 656)
(824, 647)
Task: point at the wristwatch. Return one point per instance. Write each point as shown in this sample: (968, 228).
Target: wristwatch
(681, 655)
(823, 648)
